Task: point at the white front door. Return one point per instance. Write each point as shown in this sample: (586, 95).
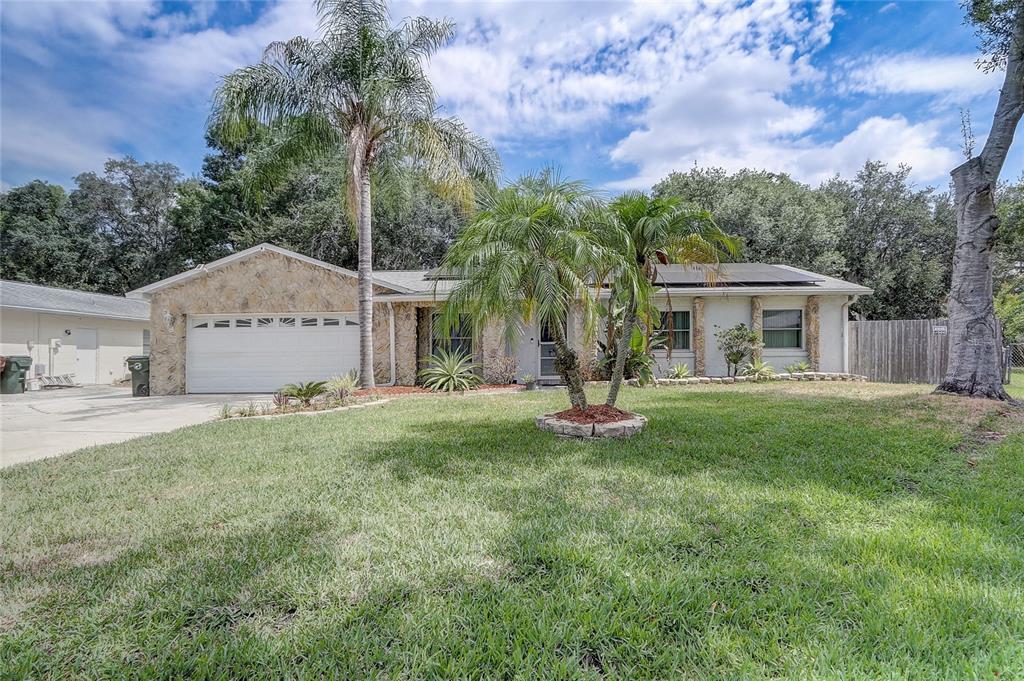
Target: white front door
(85, 355)
(263, 352)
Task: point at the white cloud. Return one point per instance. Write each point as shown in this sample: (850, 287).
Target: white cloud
(955, 75)
(192, 61)
(523, 79)
(62, 140)
(647, 87)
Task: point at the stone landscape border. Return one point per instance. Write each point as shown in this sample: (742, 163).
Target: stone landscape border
(624, 428)
(720, 380)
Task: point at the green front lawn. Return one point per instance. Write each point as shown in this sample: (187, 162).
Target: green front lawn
(782, 530)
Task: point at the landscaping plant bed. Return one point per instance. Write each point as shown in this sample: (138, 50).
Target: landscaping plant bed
(420, 390)
(595, 413)
(596, 421)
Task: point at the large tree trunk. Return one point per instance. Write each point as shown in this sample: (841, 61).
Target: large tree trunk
(360, 185)
(622, 350)
(568, 365)
(974, 356)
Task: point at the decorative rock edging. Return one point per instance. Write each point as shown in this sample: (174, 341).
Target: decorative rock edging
(725, 380)
(309, 413)
(565, 428)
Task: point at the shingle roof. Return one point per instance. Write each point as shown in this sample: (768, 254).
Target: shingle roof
(417, 281)
(15, 294)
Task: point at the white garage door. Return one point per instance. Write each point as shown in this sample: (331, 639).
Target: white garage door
(261, 353)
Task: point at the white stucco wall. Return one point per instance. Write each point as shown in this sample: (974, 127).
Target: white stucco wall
(23, 332)
(722, 312)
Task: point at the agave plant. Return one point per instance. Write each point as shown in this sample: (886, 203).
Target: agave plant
(450, 372)
(305, 393)
(758, 370)
(798, 367)
(679, 371)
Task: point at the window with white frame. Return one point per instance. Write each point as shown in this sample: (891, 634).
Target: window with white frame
(677, 332)
(783, 329)
(460, 340)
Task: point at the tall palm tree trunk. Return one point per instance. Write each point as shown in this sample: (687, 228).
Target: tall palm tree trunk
(622, 349)
(974, 344)
(365, 233)
(568, 365)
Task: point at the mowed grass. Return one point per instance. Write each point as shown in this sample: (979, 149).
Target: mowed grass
(1016, 386)
(784, 530)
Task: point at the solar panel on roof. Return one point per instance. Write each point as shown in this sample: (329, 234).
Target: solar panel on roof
(732, 274)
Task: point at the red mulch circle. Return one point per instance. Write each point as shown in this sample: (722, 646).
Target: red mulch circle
(419, 390)
(595, 413)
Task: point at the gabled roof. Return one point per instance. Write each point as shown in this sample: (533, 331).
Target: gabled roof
(248, 253)
(21, 296)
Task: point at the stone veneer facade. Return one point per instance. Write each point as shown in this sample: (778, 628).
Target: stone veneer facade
(812, 310)
(757, 322)
(273, 283)
(699, 345)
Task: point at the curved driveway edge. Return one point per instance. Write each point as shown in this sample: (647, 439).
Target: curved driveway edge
(41, 424)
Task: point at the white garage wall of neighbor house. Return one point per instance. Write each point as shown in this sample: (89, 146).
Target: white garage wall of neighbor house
(88, 335)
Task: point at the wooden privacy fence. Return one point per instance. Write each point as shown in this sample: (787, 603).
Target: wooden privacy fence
(900, 350)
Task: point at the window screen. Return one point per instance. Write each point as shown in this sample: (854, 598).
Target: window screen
(461, 339)
(679, 338)
(783, 328)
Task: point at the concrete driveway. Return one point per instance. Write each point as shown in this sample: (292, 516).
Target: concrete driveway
(35, 425)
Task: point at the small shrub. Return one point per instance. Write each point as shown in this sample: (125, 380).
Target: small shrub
(758, 370)
(225, 412)
(281, 400)
(641, 367)
(501, 371)
(305, 393)
(529, 378)
(342, 387)
(450, 372)
(798, 367)
(736, 343)
(679, 371)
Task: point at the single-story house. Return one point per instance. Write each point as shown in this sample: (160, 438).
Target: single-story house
(265, 316)
(88, 335)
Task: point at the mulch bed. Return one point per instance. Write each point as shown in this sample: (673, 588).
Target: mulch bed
(595, 413)
(419, 390)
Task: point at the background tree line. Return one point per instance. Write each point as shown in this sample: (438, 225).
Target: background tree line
(139, 222)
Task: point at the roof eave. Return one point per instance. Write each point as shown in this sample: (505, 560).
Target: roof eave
(146, 291)
(76, 313)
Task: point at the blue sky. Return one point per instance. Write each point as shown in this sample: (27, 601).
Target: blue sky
(618, 93)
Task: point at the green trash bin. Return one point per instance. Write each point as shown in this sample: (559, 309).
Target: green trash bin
(139, 366)
(12, 380)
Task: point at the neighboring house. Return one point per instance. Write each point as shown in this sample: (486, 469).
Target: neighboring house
(266, 316)
(72, 332)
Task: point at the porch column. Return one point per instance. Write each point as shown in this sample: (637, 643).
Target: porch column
(756, 322)
(813, 326)
(405, 344)
(698, 336)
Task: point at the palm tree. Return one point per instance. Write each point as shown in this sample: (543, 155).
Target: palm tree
(648, 232)
(360, 90)
(530, 255)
